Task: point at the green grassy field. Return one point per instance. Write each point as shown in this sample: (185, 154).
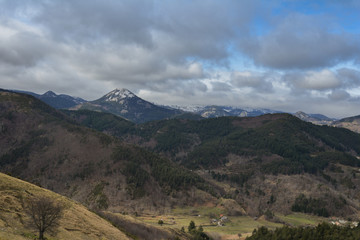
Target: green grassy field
(181, 217)
(301, 219)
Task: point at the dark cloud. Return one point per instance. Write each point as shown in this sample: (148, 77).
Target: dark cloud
(205, 28)
(23, 49)
(337, 95)
(175, 30)
(82, 21)
(128, 42)
(350, 77)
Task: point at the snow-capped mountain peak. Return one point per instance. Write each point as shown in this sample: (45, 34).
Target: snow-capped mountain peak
(118, 94)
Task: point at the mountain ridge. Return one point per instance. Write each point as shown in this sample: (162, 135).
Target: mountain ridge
(120, 102)
(352, 123)
(61, 101)
(318, 119)
(126, 104)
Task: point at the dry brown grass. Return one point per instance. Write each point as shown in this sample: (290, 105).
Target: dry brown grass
(353, 126)
(143, 230)
(77, 222)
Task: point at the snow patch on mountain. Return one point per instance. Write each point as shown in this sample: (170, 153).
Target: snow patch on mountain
(118, 94)
(189, 108)
(217, 111)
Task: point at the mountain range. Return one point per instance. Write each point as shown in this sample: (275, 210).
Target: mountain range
(138, 165)
(273, 164)
(126, 104)
(61, 101)
(352, 123)
(318, 119)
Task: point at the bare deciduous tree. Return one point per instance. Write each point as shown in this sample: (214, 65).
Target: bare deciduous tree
(44, 213)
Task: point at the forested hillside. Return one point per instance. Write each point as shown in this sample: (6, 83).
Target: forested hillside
(45, 147)
(251, 153)
(269, 164)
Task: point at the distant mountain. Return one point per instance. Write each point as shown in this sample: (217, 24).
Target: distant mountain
(213, 111)
(126, 104)
(61, 101)
(318, 119)
(352, 123)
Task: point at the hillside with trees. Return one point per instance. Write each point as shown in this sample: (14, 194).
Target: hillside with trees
(322, 231)
(255, 166)
(45, 147)
(249, 154)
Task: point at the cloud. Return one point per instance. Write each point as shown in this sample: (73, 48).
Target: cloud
(350, 77)
(191, 51)
(324, 80)
(313, 80)
(173, 92)
(204, 28)
(131, 64)
(118, 43)
(94, 21)
(198, 29)
(300, 41)
(337, 95)
(257, 81)
(184, 88)
(20, 46)
(221, 86)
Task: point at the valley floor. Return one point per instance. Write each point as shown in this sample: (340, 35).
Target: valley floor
(233, 227)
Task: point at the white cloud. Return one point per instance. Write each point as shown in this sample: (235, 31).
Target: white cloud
(257, 81)
(315, 80)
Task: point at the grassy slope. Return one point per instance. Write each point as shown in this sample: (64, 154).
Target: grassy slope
(77, 222)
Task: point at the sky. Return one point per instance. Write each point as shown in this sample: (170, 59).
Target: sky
(284, 55)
